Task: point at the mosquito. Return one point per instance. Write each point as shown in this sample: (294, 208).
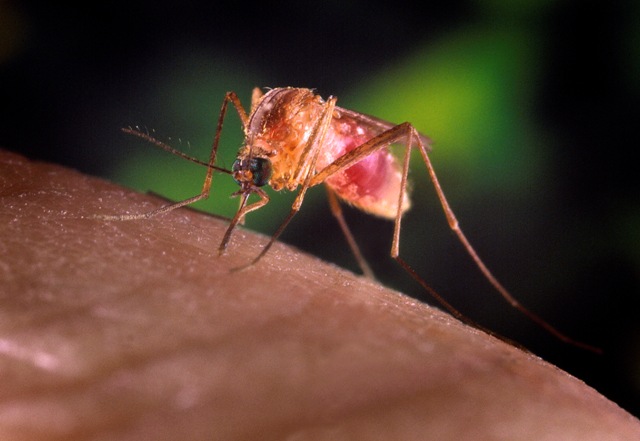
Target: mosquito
(295, 140)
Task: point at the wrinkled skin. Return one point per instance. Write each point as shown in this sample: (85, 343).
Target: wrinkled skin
(137, 330)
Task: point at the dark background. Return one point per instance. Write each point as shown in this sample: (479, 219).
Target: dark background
(532, 105)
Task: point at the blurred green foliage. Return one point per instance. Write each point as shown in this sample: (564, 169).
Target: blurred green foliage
(469, 92)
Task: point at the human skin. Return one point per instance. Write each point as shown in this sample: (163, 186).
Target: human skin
(130, 330)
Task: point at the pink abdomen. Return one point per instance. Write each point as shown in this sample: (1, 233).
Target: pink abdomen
(372, 184)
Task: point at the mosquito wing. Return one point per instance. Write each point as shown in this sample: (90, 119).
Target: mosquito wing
(373, 184)
(375, 125)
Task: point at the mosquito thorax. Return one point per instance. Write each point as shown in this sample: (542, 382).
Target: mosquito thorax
(257, 171)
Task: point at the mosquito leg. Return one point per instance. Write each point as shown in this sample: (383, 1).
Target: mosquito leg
(396, 134)
(244, 210)
(204, 194)
(206, 185)
(410, 133)
(455, 227)
(384, 139)
(241, 213)
(412, 138)
(336, 210)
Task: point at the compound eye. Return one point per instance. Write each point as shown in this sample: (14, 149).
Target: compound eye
(256, 170)
(261, 169)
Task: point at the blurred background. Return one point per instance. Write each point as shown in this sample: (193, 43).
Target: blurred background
(532, 106)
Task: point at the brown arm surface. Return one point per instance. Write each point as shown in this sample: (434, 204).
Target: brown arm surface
(138, 330)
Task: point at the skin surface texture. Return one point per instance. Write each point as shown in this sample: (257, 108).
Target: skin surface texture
(130, 330)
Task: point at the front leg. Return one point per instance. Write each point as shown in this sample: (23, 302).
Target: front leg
(242, 212)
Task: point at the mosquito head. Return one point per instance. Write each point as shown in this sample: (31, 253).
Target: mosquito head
(253, 171)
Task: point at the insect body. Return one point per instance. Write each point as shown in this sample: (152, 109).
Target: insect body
(285, 128)
(295, 140)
